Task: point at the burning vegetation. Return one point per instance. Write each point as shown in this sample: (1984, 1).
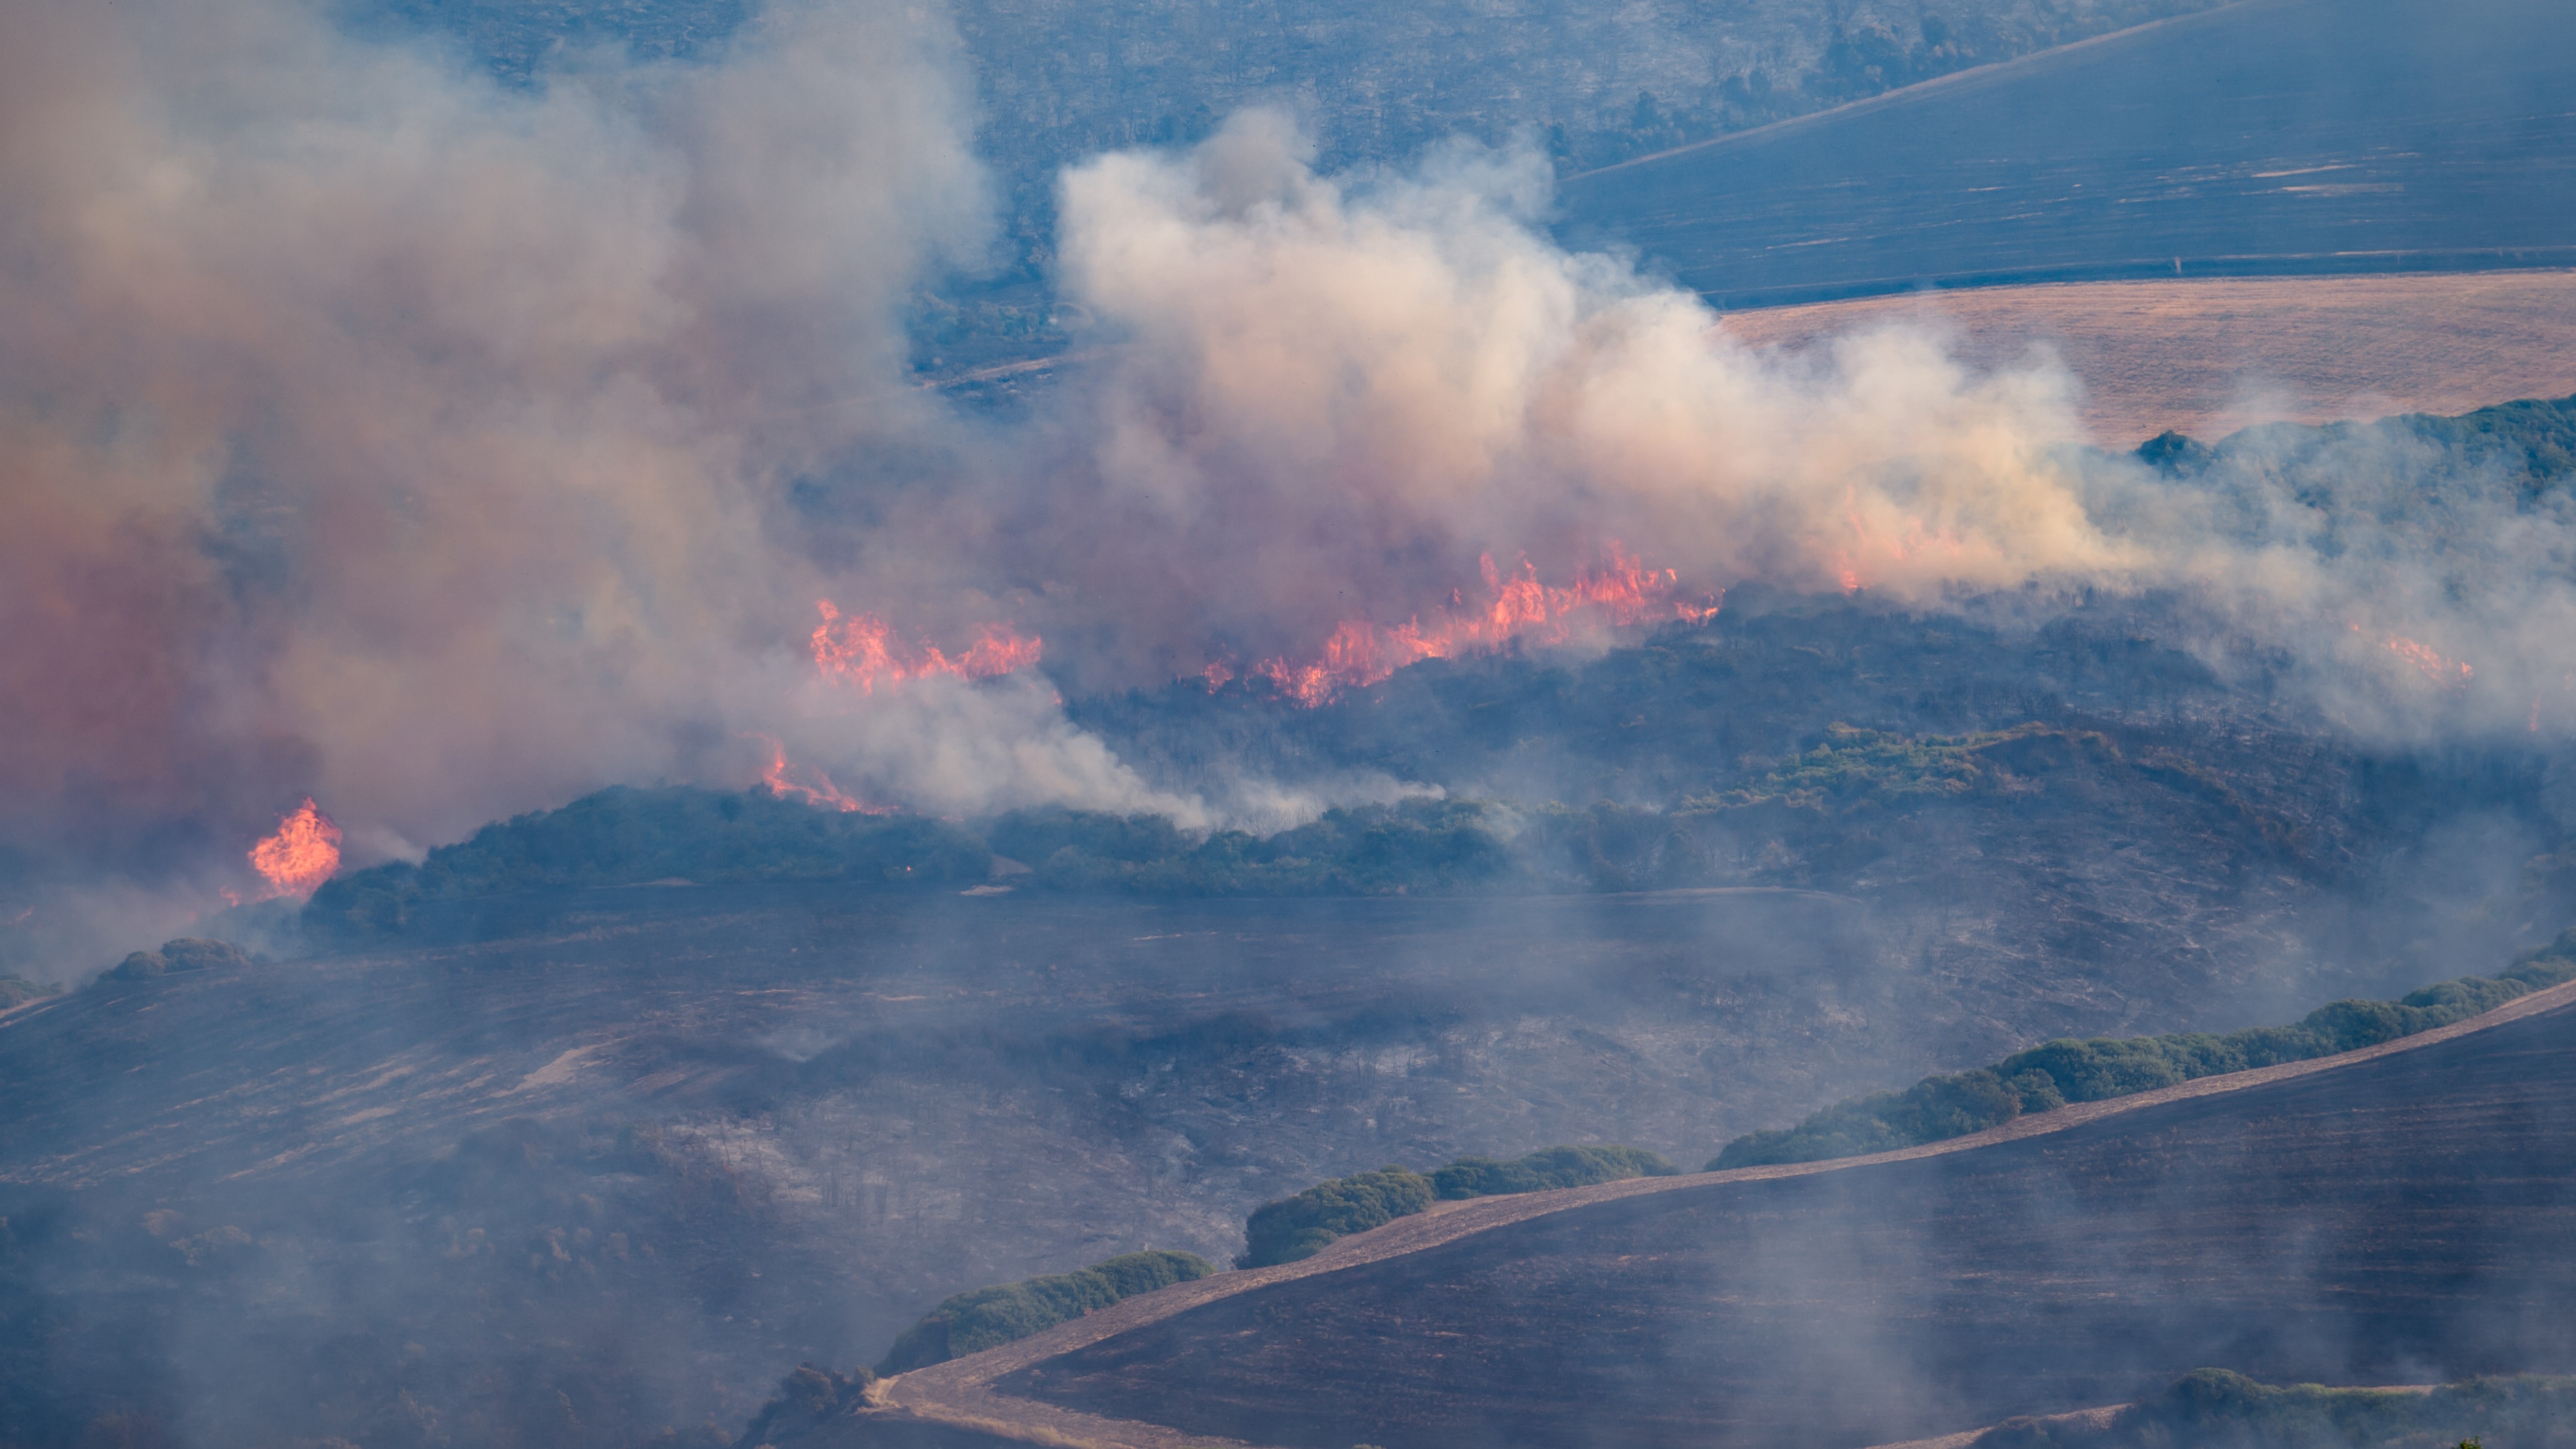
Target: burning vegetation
(1520, 610)
(864, 651)
(303, 853)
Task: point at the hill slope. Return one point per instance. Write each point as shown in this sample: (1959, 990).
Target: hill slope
(2273, 136)
(2396, 1213)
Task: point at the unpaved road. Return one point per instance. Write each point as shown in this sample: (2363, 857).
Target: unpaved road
(1204, 1358)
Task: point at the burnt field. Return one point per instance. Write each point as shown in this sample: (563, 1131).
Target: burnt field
(625, 1156)
(2281, 136)
(2401, 1219)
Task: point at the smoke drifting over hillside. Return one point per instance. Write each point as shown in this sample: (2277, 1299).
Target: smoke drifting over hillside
(441, 450)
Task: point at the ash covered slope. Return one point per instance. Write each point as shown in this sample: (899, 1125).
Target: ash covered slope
(621, 1158)
(2394, 1219)
(2278, 136)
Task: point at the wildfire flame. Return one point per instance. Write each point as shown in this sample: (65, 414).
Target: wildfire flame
(1360, 653)
(303, 853)
(781, 778)
(862, 650)
(2431, 664)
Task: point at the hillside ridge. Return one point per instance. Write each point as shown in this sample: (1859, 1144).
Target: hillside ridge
(958, 1393)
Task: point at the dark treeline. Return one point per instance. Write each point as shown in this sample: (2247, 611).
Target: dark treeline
(2055, 1073)
(1006, 1312)
(1301, 1226)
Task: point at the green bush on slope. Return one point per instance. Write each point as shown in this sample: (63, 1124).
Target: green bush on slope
(2058, 1072)
(2215, 1409)
(1549, 1167)
(1300, 1226)
(978, 1320)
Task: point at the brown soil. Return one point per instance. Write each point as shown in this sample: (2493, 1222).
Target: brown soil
(2208, 356)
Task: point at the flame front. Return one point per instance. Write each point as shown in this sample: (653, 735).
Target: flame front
(1360, 653)
(781, 778)
(303, 853)
(862, 650)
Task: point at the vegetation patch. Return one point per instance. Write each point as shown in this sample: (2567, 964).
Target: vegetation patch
(1301, 1226)
(1006, 1312)
(18, 991)
(2055, 1073)
(188, 953)
(628, 836)
(2216, 1409)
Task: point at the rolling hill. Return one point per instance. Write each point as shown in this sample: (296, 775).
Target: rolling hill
(2274, 136)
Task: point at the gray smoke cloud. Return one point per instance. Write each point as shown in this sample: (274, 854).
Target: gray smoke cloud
(443, 450)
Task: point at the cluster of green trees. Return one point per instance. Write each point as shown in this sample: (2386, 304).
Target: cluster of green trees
(626, 836)
(1300, 1226)
(974, 1321)
(2216, 1409)
(2058, 1072)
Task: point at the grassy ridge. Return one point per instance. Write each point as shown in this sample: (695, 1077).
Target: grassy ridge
(2055, 1073)
(1006, 1312)
(2215, 1409)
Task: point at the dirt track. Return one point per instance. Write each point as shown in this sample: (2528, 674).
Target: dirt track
(1108, 1359)
(2208, 356)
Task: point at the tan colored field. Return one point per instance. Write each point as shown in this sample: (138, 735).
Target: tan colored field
(2211, 355)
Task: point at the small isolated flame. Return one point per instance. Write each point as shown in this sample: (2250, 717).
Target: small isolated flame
(2432, 665)
(2435, 667)
(862, 650)
(781, 778)
(1361, 653)
(303, 853)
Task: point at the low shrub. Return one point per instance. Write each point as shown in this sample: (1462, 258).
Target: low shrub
(2055, 1073)
(628, 836)
(185, 954)
(2216, 1409)
(1549, 1167)
(985, 1317)
(18, 990)
(1299, 1227)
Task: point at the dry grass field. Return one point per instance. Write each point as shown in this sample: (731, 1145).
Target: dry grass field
(2210, 355)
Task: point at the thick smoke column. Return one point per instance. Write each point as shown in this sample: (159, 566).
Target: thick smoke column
(1338, 395)
(372, 431)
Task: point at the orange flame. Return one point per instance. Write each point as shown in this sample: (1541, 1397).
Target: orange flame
(780, 778)
(1360, 653)
(2435, 667)
(303, 853)
(2432, 665)
(862, 650)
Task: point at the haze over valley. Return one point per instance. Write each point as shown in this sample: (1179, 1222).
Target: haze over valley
(862, 724)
